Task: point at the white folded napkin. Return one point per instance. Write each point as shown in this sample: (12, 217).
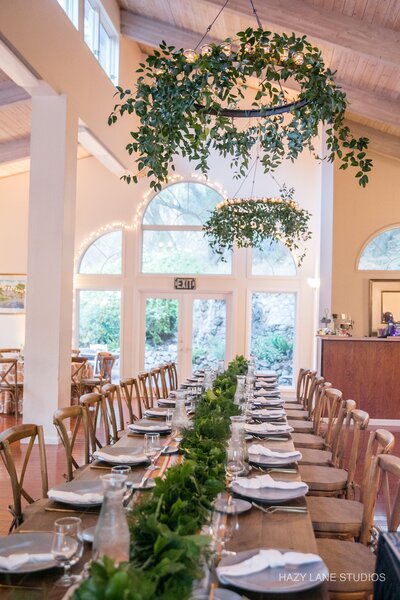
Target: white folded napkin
(264, 392)
(267, 382)
(267, 428)
(119, 458)
(266, 412)
(261, 450)
(156, 413)
(267, 559)
(149, 427)
(74, 498)
(271, 401)
(266, 481)
(265, 373)
(14, 561)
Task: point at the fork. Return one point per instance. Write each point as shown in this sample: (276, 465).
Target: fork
(273, 509)
(274, 469)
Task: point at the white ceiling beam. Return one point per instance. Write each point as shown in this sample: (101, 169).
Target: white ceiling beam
(150, 32)
(11, 93)
(14, 150)
(327, 26)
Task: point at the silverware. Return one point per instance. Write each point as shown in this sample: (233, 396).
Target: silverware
(267, 438)
(273, 509)
(100, 467)
(69, 510)
(274, 469)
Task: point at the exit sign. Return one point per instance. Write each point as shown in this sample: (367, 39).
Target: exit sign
(185, 283)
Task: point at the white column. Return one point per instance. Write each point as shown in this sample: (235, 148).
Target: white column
(51, 230)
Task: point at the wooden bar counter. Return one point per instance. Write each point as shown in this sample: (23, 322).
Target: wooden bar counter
(366, 370)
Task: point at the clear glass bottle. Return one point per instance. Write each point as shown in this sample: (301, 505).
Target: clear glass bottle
(180, 420)
(111, 536)
(240, 394)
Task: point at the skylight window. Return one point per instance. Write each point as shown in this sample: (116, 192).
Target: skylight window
(102, 38)
(71, 8)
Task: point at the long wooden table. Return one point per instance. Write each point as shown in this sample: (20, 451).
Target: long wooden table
(256, 529)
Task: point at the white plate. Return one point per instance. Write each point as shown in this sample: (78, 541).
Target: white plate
(80, 486)
(276, 580)
(269, 495)
(30, 543)
(131, 456)
(88, 534)
(144, 426)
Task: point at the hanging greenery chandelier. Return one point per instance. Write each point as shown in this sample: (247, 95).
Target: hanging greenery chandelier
(190, 102)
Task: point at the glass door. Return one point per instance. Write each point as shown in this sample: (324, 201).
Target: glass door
(185, 328)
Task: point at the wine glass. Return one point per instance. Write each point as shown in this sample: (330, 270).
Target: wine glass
(67, 547)
(234, 459)
(152, 446)
(121, 470)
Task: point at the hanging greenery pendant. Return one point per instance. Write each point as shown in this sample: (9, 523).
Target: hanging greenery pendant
(248, 222)
(189, 103)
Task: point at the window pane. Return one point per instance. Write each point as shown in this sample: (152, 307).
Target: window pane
(90, 27)
(182, 204)
(273, 318)
(181, 252)
(105, 50)
(161, 332)
(104, 256)
(208, 333)
(382, 253)
(100, 323)
(71, 9)
(273, 259)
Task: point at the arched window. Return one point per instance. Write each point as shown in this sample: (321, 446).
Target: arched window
(173, 240)
(104, 255)
(273, 259)
(382, 253)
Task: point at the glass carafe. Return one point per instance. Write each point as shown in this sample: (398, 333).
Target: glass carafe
(240, 394)
(180, 420)
(111, 536)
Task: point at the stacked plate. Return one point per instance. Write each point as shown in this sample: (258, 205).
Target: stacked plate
(78, 493)
(117, 455)
(147, 426)
(26, 553)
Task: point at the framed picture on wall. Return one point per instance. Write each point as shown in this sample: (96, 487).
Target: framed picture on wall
(12, 293)
(384, 297)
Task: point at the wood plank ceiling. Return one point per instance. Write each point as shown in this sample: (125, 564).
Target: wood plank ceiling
(358, 38)
(15, 128)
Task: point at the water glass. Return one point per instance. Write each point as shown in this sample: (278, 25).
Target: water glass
(224, 522)
(152, 447)
(121, 470)
(168, 417)
(67, 547)
(234, 460)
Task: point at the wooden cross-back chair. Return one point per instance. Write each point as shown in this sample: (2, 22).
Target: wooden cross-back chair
(77, 374)
(342, 518)
(79, 423)
(164, 381)
(316, 438)
(7, 438)
(353, 563)
(172, 375)
(75, 352)
(112, 395)
(156, 383)
(329, 456)
(131, 393)
(102, 372)
(307, 382)
(339, 480)
(302, 420)
(146, 390)
(9, 380)
(97, 415)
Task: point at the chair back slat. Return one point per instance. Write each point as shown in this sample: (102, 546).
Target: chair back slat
(130, 392)
(112, 395)
(146, 393)
(384, 467)
(97, 413)
(301, 382)
(7, 438)
(80, 418)
(164, 380)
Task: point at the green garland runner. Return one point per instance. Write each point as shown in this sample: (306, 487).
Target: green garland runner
(181, 103)
(166, 550)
